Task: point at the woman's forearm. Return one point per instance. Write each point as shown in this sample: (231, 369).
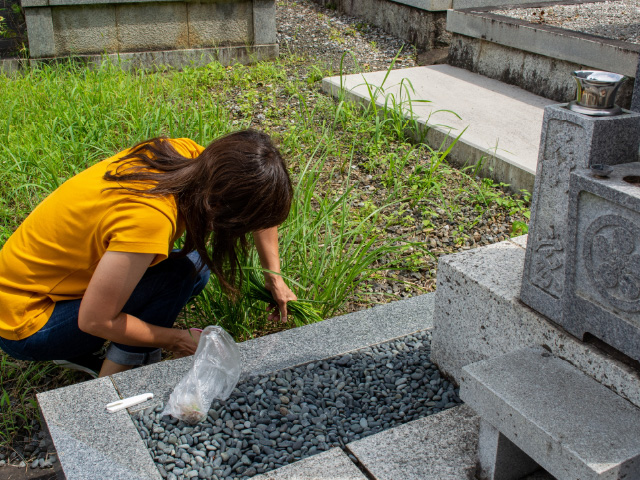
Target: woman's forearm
(128, 330)
(266, 242)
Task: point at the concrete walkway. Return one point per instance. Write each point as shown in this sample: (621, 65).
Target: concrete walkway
(502, 122)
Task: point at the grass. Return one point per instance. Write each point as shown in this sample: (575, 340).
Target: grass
(371, 207)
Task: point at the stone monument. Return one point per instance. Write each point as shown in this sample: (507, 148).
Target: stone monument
(558, 386)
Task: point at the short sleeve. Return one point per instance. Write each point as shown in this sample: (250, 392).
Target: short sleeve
(141, 225)
(186, 147)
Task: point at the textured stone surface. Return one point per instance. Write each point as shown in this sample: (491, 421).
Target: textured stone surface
(571, 425)
(91, 443)
(569, 140)
(429, 5)
(264, 22)
(603, 259)
(506, 144)
(570, 46)
(439, 447)
(40, 27)
(180, 58)
(635, 101)
(419, 27)
(214, 24)
(150, 26)
(294, 347)
(478, 315)
(330, 465)
(539, 74)
(499, 458)
(84, 29)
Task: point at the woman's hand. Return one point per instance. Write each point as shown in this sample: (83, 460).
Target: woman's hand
(185, 343)
(281, 295)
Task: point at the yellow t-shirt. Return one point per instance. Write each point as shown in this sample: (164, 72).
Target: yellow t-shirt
(53, 254)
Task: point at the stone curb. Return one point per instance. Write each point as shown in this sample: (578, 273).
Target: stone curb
(93, 444)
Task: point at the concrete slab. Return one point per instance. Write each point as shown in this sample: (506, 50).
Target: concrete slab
(478, 315)
(293, 347)
(502, 122)
(570, 424)
(330, 465)
(439, 447)
(91, 443)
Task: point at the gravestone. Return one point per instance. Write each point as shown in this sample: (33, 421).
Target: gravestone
(581, 272)
(603, 268)
(569, 141)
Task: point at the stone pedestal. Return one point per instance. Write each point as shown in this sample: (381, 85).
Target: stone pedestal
(603, 258)
(569, 140)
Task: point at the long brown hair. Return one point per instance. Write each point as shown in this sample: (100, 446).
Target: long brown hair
(238, 184)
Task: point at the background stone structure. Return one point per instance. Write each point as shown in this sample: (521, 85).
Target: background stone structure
(93, 27)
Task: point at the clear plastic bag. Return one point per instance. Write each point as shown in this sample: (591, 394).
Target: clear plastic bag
(214, 374)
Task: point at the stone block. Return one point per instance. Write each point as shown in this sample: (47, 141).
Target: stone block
(582, 49)
(333, 462)
(635, 101)
(149, 26)
(40, 28)
(92, 443)
(214, 24)
(603, 259)
(499, 458)
(438, 447)
(84, 29)
(478, 315)
(567, 422)
(569, 140)
(294, 347)
(264, 22)
(428, 5)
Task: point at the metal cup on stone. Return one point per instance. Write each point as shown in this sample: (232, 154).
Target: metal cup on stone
(596, 93)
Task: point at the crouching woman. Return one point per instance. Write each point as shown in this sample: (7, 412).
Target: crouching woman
(95, 260)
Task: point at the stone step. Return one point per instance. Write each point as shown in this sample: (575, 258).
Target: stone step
(438, 447)
(536, 57)
(568, 423)
(502, 122)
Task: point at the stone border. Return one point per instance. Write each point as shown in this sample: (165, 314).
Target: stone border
(93, 444)
(580, 48)
(155, 60)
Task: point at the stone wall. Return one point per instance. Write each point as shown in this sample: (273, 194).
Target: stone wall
(89, 27)
(419, 22)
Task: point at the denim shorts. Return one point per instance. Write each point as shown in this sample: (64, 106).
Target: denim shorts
(157, 299)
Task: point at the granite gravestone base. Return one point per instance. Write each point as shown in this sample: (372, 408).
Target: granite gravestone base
(603, 259)
(569, 141)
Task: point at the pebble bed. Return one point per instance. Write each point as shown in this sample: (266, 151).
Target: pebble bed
(274, 420)
(616, 20)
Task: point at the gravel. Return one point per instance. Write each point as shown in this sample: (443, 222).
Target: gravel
(271, 421)
(615, 20)
(307, 28)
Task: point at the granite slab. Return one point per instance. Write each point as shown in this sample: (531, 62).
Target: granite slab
(293, 347)
(91, 443)
(564, 420)
(479, 315)
(438, 447)
(333, 464)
